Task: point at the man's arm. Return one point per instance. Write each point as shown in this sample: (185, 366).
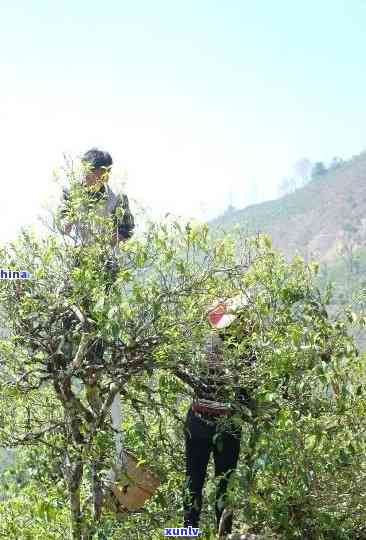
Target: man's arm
(67, 226)
(125, 223)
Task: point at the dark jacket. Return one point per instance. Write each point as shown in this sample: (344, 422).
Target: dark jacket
(216, 379)
(106, 203)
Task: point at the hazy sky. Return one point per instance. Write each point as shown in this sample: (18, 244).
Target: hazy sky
(194, 98)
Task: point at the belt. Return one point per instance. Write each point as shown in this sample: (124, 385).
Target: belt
(209, 410)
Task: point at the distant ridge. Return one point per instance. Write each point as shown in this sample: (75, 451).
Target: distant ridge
(310, 221)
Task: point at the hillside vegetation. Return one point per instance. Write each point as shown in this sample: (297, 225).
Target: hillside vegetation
(315, 220)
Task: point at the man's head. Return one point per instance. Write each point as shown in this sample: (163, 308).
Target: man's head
(97, 167)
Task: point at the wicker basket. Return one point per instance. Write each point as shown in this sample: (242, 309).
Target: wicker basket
(136, 485)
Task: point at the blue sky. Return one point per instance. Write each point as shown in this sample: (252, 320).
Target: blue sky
(194, 99)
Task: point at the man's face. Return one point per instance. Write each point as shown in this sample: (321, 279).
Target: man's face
(96, 177)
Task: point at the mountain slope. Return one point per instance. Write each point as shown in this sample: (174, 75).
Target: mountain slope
(312, 220)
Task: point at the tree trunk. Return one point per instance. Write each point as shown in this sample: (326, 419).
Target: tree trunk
(74, 473)
(97, 489)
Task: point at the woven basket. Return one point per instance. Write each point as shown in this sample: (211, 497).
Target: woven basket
(136, 485)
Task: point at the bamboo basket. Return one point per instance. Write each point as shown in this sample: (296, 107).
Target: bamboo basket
(136, 485)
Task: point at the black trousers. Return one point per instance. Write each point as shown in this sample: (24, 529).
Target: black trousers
(199, 439)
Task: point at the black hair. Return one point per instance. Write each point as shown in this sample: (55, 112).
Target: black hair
(97, 158)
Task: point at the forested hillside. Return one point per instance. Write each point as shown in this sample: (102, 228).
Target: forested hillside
(315, 220)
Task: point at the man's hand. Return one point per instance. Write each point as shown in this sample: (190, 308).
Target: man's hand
(67, 228)
(116, 239)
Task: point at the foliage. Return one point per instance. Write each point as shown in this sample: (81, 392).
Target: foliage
(319, 169)
(336, 163)
(302, 466)
(98, 316)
